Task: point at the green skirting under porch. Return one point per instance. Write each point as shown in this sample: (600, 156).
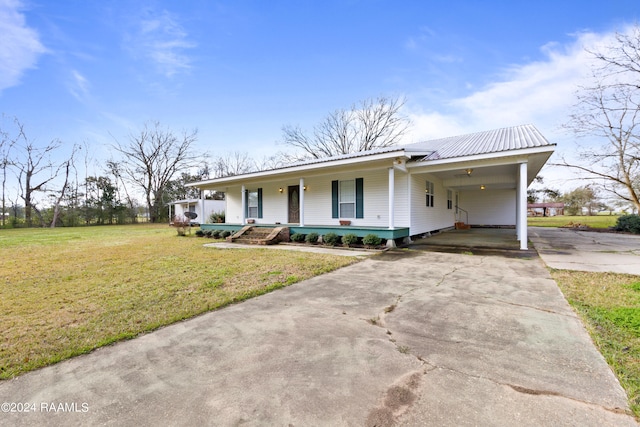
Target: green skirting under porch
(384, 233)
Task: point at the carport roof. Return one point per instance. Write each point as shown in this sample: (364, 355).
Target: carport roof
(493, 141)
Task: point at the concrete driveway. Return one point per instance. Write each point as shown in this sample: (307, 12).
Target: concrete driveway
(403, 338)
(570, 249)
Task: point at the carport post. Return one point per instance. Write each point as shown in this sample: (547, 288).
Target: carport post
(521, 206)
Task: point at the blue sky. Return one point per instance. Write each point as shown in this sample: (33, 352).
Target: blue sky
(94, 71)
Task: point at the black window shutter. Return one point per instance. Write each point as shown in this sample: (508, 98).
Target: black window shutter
(334, 199)
(359, 198)
(246, 203)
(259, 202)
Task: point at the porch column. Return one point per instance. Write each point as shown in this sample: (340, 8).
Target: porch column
(203, 220)
(391, 198)
(521, 206)
(301, 199)
(243, 219)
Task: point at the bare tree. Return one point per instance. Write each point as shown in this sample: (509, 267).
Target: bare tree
(6, 144)
(374, 123)
(35, 169)
(609, 109)
(235, 163)
(67, 166)
(152, 158)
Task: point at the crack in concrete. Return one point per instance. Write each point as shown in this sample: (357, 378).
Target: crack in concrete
(386, 414)
(526, 390)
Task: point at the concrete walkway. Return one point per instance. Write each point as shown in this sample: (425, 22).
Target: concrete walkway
(570, 249)
(406, 337)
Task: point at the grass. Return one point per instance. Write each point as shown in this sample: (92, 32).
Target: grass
(67, 291)
(609, 305)
(594, 221)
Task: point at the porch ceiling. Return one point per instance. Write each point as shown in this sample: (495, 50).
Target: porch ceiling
(498, 173)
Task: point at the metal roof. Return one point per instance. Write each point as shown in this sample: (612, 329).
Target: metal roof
(492, 141)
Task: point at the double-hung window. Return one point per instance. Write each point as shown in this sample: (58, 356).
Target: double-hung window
(253, 208)
(347, 195)
(347, 198)
(429, 190)
(252, 203)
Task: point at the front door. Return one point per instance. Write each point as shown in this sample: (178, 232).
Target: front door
(294, 204)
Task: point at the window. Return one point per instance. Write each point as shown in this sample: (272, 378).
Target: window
(347, 198)
(429, 191)
(253, 208)
(252, 204)
(449, 199)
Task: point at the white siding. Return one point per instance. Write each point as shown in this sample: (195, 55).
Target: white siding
(423, 218)
(401, 199)
(233, 213)
(376, 198)
(489, 207)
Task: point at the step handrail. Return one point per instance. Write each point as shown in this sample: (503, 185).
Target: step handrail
(458, 208)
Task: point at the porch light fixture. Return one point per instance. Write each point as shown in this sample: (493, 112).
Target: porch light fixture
(482, 187)
(280, 190)
(469, 171)
(304, 188)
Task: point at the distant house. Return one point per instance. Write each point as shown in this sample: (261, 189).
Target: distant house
(203, 208)
(479, 179)
(546, 209)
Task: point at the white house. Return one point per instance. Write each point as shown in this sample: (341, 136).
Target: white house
(480, 179)
(202, 207)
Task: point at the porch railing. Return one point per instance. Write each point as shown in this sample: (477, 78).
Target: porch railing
(466, 219)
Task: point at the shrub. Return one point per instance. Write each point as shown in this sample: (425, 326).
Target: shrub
(216, 234)
(225, 233)
(199, 233)
(216, 217)
(331, 239)
(311, 238)
(371, 240)
(630, 223)
(208, 233)
(297, 237)
(349, 239)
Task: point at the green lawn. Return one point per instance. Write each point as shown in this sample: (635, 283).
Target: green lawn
(594, 221)
(66, 291)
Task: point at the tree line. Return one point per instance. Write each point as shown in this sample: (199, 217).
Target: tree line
(155, 163)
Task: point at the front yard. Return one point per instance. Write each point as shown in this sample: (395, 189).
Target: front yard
(67, 291)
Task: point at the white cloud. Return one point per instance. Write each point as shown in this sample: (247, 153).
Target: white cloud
(164, 41)
(540, 93)
(79, 86)
(20, 45)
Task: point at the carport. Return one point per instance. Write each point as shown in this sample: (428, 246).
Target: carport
(474, 240)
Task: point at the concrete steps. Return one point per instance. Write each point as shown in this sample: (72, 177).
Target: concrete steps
(462, 226)
(260, 235)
